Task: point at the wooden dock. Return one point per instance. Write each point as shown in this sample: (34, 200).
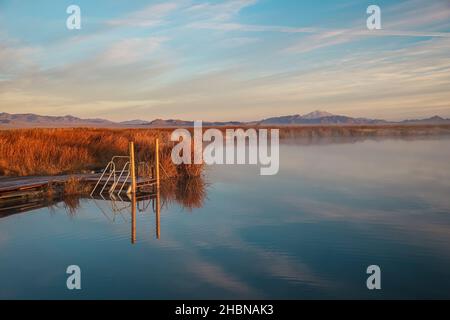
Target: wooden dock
(116, 178)
(23, 186)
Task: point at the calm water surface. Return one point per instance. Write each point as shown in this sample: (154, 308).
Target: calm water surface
(309, 232)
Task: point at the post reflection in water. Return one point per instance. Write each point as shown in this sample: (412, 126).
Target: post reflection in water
(189, 193)
(153, 199)
(156, 208)
(133, 218)
(158, 218)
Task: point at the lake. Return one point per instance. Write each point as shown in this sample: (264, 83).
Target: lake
(310, 232)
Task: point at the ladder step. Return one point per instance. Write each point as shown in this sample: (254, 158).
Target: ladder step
(117, 181)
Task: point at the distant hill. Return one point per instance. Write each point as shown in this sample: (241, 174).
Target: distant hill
(182, 123)
(318, 117)
(170, 123)
(432, 120)
(136, 122)
(30, 120)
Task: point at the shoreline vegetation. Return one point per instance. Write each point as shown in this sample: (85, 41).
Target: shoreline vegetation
(38, 152)
(42, 152)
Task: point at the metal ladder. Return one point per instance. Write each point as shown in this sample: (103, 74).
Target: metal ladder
(114, 174)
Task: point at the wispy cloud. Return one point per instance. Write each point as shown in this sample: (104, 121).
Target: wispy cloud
(238, 42)
(234, 26)
(131, 50)
(149, 16)
(219, 11)
(15, 57)
(410, 19)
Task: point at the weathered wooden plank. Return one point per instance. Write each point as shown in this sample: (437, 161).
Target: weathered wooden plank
(26, 183)
(21, 188)
(20, 194)
(17, 187)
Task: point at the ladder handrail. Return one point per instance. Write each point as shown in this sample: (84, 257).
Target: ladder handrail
(123, 184)
(101, 177)
(109, 178)
(120, 176)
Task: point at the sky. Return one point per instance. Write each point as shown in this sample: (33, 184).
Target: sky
(226, 59)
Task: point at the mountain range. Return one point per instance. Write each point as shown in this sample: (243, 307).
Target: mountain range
(30, 120)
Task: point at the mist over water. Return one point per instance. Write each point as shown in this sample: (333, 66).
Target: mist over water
(335, 207)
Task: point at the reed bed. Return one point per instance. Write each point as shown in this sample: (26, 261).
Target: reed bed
(28, 152)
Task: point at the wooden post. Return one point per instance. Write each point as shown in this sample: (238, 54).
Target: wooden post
(157, 163)
(133, 218)
(132, 168)
(158, 215)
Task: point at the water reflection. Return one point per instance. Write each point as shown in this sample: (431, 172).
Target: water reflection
(188, 193)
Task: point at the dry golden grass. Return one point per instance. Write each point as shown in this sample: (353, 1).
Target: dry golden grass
(25, 152)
